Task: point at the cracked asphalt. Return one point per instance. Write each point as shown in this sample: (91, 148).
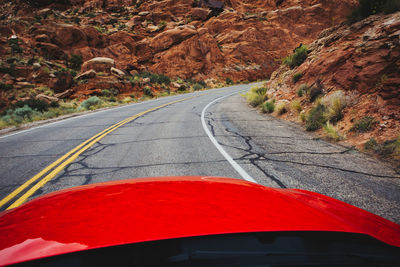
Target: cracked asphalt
(171, 141)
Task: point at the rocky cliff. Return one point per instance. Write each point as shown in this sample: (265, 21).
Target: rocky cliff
(348, 87)
(202, 40)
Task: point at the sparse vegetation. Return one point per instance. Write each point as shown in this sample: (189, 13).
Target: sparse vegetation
(334, 112)
(367, 8)
(296, 106)
(365, 124)
(296, 77)
(299, 56)
(6, 87)
(385, 149)
(331, 132)
(91, 103)
(256, 96)
(228, 81)
(147, 91)
(268, 106)
(315, 117)
(75, 62)
(280, 108)
(314, 93)
(302, 90)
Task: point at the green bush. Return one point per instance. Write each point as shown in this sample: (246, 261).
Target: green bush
(159, 78)
(147, 91)
(364, 124)
(228, 81)
(24, 112)
(387, 148)
(297, 76)
(33, 103)
(197, 86)
(14, 44)
(315, 118)
(280, 108)
(334, 112)
(91, 102)
(302, 90)
(182, 88)
(296, 106)
(331, 132)
(268, 106)
(367, 8)
(75, 62)
(297, 58)
(6, 87)
(315, 92)
(254, 99)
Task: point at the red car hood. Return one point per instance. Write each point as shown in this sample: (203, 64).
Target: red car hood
(148, 209)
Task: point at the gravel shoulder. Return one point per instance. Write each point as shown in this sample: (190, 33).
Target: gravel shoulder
(277, 153)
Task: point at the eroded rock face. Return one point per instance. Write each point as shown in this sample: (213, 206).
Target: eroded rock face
(99, 64)
(362, 62)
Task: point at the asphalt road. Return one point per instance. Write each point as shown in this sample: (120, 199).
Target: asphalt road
(171, 141)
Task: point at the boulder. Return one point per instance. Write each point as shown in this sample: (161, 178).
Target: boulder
(62, 82)
(42, 38)
(200, 13)
(65, 94)
(49, 50)
(46, 98)
(86, 75)
(117, 72)
(172, 37)
(99, 64)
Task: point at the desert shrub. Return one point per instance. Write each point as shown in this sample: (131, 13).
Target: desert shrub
(387, 148)
(159, 78)
(91, 102)
(315, 118)
(147, 91)
(182, 88)
(296, 106)
(364, 124)
(367, 8)
(334, 111)
(268, 106)
(256, 95)
(197, 86)
(6, 87)
(302, 90)
(299, 56)
(106, 92)
(14, 44)
(36, 104)
(75, 62)
(331, 132)
(228, 81)
(314, 93)
(296, 77)
(280, 108)
(254, 99)
(258, 90)
(24, 112)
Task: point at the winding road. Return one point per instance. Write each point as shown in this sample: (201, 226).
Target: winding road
(207, 133)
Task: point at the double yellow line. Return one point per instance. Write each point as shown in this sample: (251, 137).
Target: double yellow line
(66, 159)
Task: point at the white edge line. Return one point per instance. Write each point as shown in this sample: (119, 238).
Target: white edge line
(235, 165)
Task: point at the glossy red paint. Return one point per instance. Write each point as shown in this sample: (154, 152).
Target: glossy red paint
(137, 210)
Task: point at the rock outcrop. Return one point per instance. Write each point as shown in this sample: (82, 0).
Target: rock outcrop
(359, 62)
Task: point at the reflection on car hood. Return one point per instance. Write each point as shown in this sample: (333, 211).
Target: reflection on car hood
(148, 209)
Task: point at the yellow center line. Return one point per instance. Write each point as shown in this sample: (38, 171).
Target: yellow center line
(65, 160)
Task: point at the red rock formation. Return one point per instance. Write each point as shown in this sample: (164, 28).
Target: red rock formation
(363, 62)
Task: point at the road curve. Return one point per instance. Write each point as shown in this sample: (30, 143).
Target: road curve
(211, 133)
(163, 142)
